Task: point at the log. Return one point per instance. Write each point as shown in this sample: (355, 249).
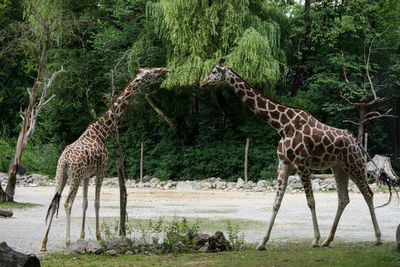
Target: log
(10, 257)
(384, 164)
(6, 213)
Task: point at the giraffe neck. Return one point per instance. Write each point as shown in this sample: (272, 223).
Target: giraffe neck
(105, 124)
(264, 107)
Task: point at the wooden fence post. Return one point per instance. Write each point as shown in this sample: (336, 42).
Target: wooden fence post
(246, 152)
(141, 163)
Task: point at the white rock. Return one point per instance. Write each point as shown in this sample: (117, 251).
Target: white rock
(188, 186)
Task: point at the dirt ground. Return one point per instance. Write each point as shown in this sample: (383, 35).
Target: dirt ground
(24, 231)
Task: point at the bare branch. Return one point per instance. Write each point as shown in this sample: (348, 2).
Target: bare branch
(344, 66)
(377, 115)
(353, 122)
(349, 101)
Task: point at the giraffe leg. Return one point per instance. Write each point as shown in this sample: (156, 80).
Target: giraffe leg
(73, 189)
(84, 205)
(52, 211)
(367, 193)
(306, 181)
(283, 173)
(99, 181)
(44, 241)
(342, 181)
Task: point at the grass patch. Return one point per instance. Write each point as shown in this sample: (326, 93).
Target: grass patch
(277, 254)
(17, 205)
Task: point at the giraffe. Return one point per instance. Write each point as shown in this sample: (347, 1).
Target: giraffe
(87, 156)
(305, 144)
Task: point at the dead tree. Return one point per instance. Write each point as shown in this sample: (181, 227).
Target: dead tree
(31, 113)
(366, 102)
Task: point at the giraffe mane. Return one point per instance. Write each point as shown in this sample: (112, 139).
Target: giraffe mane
(265, 95)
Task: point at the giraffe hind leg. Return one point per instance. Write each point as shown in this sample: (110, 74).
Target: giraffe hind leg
(99, 182)
(367, 193)
(342, 181)
(68, 206)
(84, 205)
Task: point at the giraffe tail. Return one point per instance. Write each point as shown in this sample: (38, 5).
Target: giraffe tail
(391, 184)
(55, 203)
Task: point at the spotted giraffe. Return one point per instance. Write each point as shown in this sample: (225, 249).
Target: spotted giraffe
(305, 144)
(87, 156)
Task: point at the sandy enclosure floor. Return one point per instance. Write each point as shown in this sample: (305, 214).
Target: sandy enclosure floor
(24, 231)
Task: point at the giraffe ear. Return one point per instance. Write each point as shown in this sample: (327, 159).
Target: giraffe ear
(221, 61)
(139, 70)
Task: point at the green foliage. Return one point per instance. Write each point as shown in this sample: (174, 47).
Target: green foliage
(235, 239)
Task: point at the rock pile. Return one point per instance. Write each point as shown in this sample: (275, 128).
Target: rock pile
(121, 245)
(319, 183)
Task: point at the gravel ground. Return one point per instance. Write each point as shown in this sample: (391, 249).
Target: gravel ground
(24, 231)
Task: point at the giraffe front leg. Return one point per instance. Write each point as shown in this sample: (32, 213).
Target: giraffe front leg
(283, 174)
(306, 181)
(84, 205)
(99, 181)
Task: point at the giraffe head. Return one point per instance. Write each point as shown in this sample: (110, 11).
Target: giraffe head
(149, 75)
(217, 74)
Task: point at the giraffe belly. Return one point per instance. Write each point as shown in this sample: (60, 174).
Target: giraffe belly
(323, 163)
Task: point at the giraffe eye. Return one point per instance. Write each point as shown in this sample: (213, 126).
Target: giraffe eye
(213, 72)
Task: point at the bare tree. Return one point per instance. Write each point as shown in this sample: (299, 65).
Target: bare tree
(31, 113)
(366, 102)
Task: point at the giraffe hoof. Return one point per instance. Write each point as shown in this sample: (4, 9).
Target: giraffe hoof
(42, 249)
(378, 243)
(314, 245)
(325, 245)
(261, 247)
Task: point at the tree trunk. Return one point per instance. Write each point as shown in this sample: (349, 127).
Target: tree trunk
(12, 176)
(122, 187)
(303, 56)
(10, 257)
(361, 125)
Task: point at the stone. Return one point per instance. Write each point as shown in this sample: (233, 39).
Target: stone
(111, 252)
(201, 239)
(262, 183)
(110, 181)
(204, 248)
(220, 185)
(146, 178)
(77, 247)
(119, 244)
(154, 180)
(218, 242)
(246, 186)
(188, 186)
(239, 183)
(206, 185)
(94, 247)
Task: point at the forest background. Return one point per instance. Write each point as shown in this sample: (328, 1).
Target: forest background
(295, 52)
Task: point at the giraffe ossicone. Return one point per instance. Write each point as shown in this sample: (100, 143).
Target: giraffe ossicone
(305, 144)
(88, 155)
